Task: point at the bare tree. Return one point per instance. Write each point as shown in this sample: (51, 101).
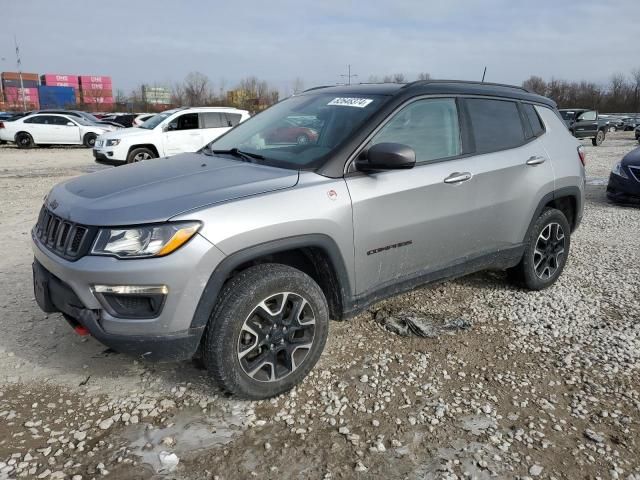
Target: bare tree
(399, 78)
(635, 78)
(424, 76)
(197, 90)
(535, 84)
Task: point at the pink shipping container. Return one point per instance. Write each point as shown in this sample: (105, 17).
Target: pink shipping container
(54, 79)
(62, 84)
(17, 92)
(96, 87)
(101, 100)
(86, 79)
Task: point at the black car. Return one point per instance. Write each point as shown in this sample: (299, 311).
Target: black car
(624, 181)
(126, 120)
(637, 132)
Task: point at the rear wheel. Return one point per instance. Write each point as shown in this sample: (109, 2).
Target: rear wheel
(266, 332)
(24, 140)
(599, 138)
(546, 251)
(140, 154)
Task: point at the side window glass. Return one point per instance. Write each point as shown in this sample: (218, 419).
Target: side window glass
(233, 119)
(496, 124)
(537, 128)
(188, 121)
(61, 121)
(429, 126)
(213, 120)
(37, 119)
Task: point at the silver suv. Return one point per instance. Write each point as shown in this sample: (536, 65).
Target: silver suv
(241, 253)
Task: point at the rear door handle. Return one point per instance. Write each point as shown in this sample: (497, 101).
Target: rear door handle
(458, 177)
(536, 160)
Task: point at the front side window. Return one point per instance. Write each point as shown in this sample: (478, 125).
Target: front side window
(430, 127)
(188, 121)
(61, 121)
(233, 119)
(496, 124)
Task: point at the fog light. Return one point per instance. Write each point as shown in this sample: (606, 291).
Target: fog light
(131, 301)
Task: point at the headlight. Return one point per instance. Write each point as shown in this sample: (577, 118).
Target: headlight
(617, 170)
(144, 241)
(113, 142)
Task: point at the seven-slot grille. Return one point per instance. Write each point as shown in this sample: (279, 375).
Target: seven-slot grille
(67, 239)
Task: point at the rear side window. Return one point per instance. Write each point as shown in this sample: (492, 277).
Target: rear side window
(37, 119)
(496, 124)
(537, 128)
(429, 126)
(233, 119)
(213, 120)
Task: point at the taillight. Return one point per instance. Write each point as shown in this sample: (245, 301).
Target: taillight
(1, 124)
(582, 153)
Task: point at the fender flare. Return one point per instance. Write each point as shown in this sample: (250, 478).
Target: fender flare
(561, 192)
(221, 273)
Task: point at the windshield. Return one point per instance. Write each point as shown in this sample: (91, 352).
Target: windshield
(83, 121)
(89, 117)
(300, 132)
(156, 120)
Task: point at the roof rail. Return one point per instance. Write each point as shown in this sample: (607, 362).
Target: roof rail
(427, 82)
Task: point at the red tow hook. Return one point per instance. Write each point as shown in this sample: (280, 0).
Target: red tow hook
(82, 331)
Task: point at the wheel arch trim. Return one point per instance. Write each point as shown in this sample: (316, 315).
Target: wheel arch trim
(214, 285)
(573, 192)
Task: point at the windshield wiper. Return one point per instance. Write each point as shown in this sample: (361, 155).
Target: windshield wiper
(246, 156)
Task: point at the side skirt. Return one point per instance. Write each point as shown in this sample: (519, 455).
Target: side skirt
(499, 260)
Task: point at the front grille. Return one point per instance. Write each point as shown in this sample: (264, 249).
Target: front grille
(66, 239)
(635, 171)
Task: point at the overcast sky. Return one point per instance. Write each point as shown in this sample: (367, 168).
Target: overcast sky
(159, 41)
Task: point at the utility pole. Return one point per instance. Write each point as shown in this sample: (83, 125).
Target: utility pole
(349, 75)
(19, 65)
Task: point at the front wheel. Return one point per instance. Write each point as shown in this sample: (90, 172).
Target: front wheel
(89, 140)
(546, 251)
(266, 332)
(140, 154)
(599, 138)
(24, 140)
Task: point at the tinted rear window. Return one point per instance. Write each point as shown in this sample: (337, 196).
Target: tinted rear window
(537, 128)
(496, 124)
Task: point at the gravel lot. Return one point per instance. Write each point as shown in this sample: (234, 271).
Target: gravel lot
(542, 385)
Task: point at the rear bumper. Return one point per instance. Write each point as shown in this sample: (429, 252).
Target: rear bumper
(54, 295)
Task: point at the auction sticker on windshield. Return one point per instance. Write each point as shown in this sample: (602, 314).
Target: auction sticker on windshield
(350, 102)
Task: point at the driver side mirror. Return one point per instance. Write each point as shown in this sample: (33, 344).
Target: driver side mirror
(386, 156)
(171, 126)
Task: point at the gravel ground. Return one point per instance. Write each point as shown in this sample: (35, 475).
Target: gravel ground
(537, 385)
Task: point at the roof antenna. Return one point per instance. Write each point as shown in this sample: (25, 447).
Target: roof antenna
(484, 73)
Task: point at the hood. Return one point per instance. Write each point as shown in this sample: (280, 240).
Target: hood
(156, 190)
(632, 158)
(125, 132)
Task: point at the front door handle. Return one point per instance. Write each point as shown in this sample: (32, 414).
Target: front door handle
(536, 160)
(458, 177)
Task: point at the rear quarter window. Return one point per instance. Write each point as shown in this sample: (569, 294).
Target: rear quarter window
(496, 124)
(537, 127)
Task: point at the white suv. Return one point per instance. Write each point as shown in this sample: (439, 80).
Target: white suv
(167, 133)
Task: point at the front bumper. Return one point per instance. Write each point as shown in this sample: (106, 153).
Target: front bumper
(53, 295)
(106, 157)
(185, 273)
(623, 190)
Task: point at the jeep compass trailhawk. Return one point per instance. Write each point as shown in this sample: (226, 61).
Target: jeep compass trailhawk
(240, 253)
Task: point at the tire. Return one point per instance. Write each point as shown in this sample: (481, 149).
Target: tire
(89, 140)
(237, 348)
(599, 138)
(531, 272)
(24, 140)
(140, 154)
(302, 140)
